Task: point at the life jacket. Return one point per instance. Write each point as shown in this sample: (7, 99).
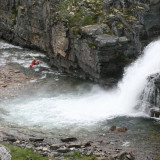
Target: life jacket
(34, 62)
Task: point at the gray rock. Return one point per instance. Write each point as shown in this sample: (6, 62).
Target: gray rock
(93, 30)
(36, 139)
(155, 113)
(125, 156)
(55, 146)
(11, 139)
(153, 2)
(69, 139)
(74, 145)
(105, 40)
(4, 153)
(63, 150)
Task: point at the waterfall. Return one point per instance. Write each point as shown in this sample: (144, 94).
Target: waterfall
(82, 107)
(135, 76)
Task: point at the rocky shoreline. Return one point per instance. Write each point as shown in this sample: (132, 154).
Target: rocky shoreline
(12, 81)
(58, 148)
(90, 39)
(118, 143)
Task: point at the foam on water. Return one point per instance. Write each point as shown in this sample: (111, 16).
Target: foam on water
(4, 45)
(95, 106)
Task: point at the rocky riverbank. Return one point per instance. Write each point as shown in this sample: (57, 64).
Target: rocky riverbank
(90, 39)
(116, 143)
(103, 147)
(12, 81)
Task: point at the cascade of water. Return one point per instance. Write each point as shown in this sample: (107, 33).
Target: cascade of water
(151, 94)
(135, 76)
(90, 107)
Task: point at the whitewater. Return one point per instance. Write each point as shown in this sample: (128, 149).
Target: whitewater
(81, 108)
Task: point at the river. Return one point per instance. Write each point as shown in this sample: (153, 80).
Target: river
(59, 103)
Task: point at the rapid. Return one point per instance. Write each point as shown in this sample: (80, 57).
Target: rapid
(59, 101)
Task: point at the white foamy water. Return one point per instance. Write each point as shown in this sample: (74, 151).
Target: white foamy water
(73, 109)
(4, 45)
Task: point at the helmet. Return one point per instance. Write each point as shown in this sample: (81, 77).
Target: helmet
(34, 58)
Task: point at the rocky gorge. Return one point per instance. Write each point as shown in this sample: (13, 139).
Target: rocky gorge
(90, 39)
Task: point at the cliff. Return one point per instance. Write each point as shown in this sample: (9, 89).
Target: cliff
(87, 38)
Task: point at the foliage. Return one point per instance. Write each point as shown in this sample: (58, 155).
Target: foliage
(23, 154)
(15, 13)
(126, 59)
(79, 13)
(92, 46)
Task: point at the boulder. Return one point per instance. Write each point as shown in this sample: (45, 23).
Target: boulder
(36, 139)
(56, 146)
(93, 30)
(4, 153)
(126, 156)
(105, 40)
(155, 113)
(63, 150)
(113, 128)
(122, 129)
(69, 139)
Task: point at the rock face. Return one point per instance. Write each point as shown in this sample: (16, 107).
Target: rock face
(90, 43)
(4, 153)
(151, 95)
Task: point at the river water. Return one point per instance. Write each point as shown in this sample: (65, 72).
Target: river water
(58, 103)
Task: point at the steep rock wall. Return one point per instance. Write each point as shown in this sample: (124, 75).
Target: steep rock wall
(97, 49)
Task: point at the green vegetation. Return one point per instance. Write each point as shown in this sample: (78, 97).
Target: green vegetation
(77, 14)
(23, 154)
(18, 153)
(92, 46)
(126, 59)
(15, 14)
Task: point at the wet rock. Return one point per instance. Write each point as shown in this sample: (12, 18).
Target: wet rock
(11, 139)
(16, 71)
(126, 156)
(4, 85)
(113, 128)
(87, 144)
(74, 145)
(122, 129)
(39, 148)
(69, 139)
(4, 153)
(63, 150)
(55, 146)
(155, 113)
(36, 139)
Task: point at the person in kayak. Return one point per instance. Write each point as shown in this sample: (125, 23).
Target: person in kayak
(34, 62)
